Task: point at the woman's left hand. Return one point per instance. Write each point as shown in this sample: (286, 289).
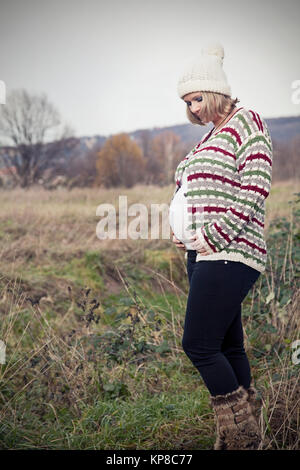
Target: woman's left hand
(197, 245)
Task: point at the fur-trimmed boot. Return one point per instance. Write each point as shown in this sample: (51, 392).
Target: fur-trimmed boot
(254, 402)
(237, 428)
(252, 399)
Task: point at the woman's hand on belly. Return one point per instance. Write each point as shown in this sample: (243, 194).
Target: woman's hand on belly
(197, 245)
(177, 242)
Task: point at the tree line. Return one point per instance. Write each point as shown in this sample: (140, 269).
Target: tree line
(37, 149)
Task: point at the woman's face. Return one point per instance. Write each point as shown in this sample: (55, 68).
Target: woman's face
(194, 102)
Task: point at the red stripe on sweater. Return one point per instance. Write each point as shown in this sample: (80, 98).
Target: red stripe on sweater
(206, 209)
(239, 214)
(214, 177)
(255, 119)
(260, 122)
(256, 189)
(224, 235)
(255, 156)
(223, 209)
(216, 149)
(251, 244)
(234, 133)
(207, 241)
(254, 219)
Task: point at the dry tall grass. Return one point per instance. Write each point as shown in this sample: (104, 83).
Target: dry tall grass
(93, 330)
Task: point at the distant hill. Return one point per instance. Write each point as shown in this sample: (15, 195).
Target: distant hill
(282, 130)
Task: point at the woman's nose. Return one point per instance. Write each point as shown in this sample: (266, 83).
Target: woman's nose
(195, 108)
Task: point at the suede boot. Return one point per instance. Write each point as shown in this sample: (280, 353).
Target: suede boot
(237, 428)
(252, 399)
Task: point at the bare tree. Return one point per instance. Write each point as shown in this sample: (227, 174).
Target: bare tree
(162, 154)
(167, 149)
(153, 166)
(32, 126)
(83, 170)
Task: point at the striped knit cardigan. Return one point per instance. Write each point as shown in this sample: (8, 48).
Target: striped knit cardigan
(229, 177)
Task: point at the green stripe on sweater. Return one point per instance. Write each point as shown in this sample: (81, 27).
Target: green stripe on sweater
(255, 139)
(259, 173)
(254, 233)
(244, 122)
(213, 162)
(229, 139)
(246, 255)
(229, 250)
(238, 229)
(234, 227)
(211, 238)
(199, 192)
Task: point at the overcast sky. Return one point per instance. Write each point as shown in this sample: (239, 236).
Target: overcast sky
(112, 66)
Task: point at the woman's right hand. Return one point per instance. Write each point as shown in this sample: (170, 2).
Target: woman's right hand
(177, 242)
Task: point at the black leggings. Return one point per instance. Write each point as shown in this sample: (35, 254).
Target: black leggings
(213, 333)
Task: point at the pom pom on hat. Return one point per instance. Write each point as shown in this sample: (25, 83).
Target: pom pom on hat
(205, 71)
(213, 48)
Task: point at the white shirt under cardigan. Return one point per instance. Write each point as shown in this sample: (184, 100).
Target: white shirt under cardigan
(178, 214)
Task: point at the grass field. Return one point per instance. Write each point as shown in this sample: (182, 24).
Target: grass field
(93, 328)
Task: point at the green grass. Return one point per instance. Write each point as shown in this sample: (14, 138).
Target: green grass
(145, 419)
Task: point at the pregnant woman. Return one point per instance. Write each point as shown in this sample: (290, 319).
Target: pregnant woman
(217, 214)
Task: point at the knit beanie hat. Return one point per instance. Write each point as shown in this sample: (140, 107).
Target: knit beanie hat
(205, 72)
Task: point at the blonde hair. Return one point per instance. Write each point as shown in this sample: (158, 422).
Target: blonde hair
(213, 104)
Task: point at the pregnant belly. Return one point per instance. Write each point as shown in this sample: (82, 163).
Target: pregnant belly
(178, 220)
